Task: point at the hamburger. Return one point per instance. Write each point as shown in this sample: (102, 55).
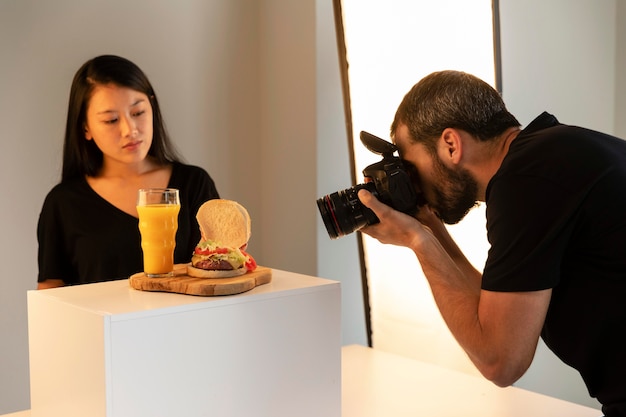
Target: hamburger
(225, 229)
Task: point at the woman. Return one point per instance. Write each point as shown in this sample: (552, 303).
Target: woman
(115, 144)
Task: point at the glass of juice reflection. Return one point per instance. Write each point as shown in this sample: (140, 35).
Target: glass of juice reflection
(158, 222)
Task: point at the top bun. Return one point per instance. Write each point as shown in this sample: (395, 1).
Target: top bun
(225, 222)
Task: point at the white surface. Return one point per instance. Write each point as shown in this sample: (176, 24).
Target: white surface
(121, 302)
(381, 384)
(108, 350)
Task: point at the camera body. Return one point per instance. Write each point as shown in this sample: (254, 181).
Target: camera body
(388, 180)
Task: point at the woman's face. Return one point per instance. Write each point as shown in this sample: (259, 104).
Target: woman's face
(119, 121)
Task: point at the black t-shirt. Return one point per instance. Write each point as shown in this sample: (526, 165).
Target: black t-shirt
(556, 218)
(83, 238)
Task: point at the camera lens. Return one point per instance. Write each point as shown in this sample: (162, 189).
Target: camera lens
(343, 212)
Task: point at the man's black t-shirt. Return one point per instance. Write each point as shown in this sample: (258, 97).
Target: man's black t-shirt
(556, 218)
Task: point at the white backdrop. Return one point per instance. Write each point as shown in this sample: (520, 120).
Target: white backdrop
(388, 51)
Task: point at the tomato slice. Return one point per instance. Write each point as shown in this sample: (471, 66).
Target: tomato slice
(200, 251)
(208, 252)
(250, 263)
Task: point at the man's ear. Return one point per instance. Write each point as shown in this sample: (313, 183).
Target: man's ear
(451, 146)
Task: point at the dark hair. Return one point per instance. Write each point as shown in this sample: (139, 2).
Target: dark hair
(452, 99)
(82, 157)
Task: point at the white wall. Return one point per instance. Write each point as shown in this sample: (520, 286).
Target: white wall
(560, 56)
(336, 259)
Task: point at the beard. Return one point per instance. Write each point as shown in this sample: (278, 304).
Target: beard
(455, 194)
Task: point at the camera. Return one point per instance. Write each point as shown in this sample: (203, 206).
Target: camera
(389, 180)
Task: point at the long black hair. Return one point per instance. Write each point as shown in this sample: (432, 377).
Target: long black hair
(82, 157)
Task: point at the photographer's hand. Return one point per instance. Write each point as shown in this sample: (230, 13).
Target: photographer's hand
(395, 228)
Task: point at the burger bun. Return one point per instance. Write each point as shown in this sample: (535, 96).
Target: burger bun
(224, 221)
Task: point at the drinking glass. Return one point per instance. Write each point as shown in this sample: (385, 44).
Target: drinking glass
(158, 210)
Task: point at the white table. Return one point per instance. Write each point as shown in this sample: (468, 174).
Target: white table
(108, 350)
(380, 384)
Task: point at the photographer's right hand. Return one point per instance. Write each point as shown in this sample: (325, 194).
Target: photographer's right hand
(395, 227)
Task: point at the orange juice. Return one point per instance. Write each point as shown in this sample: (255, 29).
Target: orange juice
(158, 224)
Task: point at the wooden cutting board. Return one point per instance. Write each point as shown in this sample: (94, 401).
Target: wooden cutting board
(181, 283)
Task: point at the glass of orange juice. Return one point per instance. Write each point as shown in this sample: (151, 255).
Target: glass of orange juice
(158, 222)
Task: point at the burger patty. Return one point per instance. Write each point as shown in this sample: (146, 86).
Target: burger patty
(212, 264)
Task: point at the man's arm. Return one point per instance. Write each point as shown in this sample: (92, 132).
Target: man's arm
(499, 331)
(427, 218)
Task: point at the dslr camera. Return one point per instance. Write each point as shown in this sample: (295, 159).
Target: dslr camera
(389, 180)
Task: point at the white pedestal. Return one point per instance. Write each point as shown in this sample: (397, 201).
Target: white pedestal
(107, 350)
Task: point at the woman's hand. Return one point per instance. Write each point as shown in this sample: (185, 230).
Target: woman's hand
(50, 283)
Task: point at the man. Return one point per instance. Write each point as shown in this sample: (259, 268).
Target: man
(556, 221)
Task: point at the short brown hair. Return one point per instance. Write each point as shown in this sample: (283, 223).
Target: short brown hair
(452, 99)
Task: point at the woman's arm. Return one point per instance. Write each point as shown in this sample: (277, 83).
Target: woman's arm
(50, 283)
